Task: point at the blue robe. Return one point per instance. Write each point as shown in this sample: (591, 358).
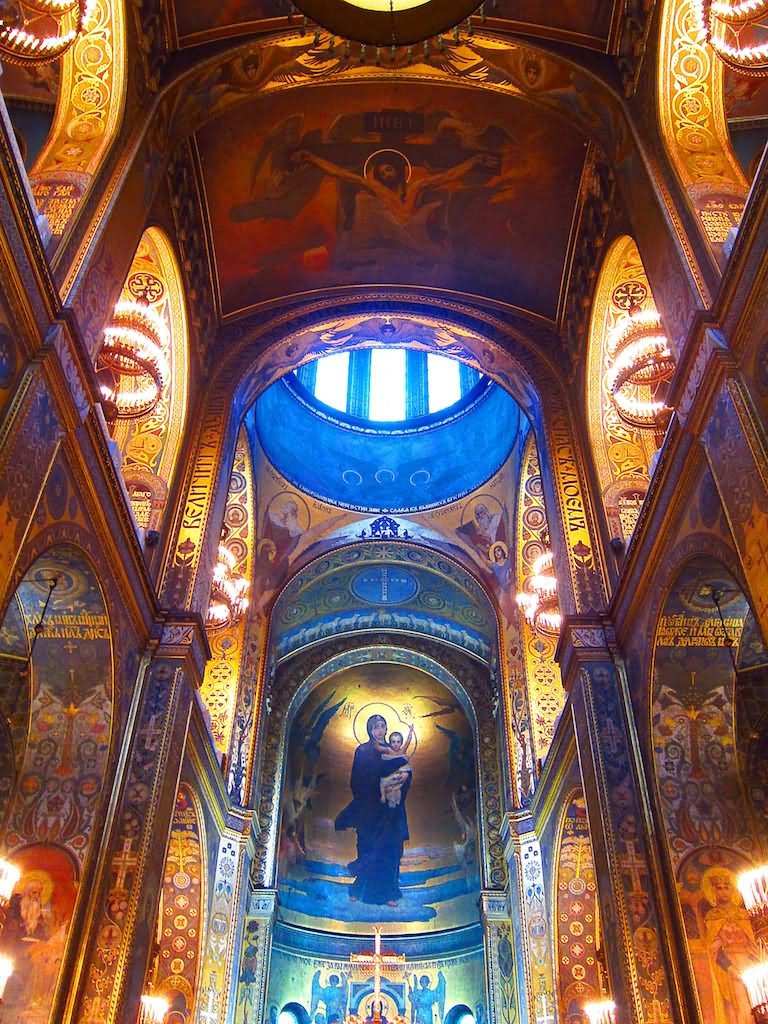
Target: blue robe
(381, 829)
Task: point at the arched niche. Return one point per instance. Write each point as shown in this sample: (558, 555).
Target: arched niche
(543, 682)
(181, 913)
(471, 698)
(150, 444)
(576, 934)
(57, 693)
(711, 830)
(622, 453)
(693, 123)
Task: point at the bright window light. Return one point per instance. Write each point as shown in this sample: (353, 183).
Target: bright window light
(387, 384)
(333, 380)
(443, 382)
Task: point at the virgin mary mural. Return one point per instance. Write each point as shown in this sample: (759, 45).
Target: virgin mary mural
(379, 820)
(380, 780)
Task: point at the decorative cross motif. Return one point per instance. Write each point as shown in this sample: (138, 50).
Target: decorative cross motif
(124, 862)
(545, 1017)
(152, 734)
(209, 1014)
(612, 737)
(633, 865)
(378, 961)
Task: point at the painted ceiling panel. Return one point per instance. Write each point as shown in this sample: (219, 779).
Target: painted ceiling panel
(370, 184)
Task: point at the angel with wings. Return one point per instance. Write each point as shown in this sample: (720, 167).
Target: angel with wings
(425, 1000)
(334, 995)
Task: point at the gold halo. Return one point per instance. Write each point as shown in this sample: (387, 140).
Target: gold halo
(392, 717)
(389, 150)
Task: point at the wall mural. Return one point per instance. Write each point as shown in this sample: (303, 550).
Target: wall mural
(424, 992)
(577, 907)
(180, 914)
(710, 832)
(378, 193)
(379, 821)
(62, 763)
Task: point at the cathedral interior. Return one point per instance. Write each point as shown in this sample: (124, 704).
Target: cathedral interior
(383, 420)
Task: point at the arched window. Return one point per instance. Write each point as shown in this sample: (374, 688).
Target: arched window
(387, 385)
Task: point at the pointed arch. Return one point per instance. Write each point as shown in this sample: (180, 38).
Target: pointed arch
(693, 123)
(150, 445)
(622, 453)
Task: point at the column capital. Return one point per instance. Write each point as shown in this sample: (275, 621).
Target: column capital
(262, 903)
(584, 639)
(494, 905)
(181, 636)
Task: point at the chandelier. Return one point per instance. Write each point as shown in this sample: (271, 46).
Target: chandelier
(134, 349)
(538, 601)
(153, 1009)
(753, 886)
(228, 589)
(641, 358)
(388, 22)
(724, 22)
(20, 44)
(602, 1011)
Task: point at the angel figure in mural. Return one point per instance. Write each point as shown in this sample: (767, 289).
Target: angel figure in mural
(381, 829)
(334, 995)
(427, 1004)
(731, 941)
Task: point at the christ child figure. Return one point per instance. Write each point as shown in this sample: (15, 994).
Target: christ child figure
(391, 785)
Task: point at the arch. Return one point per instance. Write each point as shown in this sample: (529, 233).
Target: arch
(497, 349)
(459, 1014)
(182, 908)
(62, 758)
(293, 1013)
(301, 674)
(89, 111)
(693, 122)
(710, 828)
(150, 444)
(576, 907)
(543, 683)
(622, 453)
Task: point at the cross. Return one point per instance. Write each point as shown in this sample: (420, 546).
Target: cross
(70, 646)
(377, 960)
(152, 734)
(123, 862)
(633, 865)
(70, 712)
(545, 1017)
(612, 737)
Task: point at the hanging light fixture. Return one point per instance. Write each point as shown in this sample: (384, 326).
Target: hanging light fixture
(21, 44)
(602, 1011)
(9, 876)
(538, 600)
(724, 22)
(753, 886)
(153, 1009)
(6, 970)
(228, 589)
(388, 22)
(134, 349)
(641, 358)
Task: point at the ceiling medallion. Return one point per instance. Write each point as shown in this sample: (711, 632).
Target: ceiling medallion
(21, 44)
(736, 30)
(388, 22)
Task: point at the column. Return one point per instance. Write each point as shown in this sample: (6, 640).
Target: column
(110, 977)
(634, 906)
(256, 947)
(500, 960)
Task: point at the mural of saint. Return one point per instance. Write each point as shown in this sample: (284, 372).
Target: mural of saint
(730, 939)
(380, 780)
(424, 999)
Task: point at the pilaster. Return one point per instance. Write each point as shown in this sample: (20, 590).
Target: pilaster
(636, 930)
(111, 975)
(253, 976)
(500, 960)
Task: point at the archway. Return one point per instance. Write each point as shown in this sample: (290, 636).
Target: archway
(711, 830)
(57, 695)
